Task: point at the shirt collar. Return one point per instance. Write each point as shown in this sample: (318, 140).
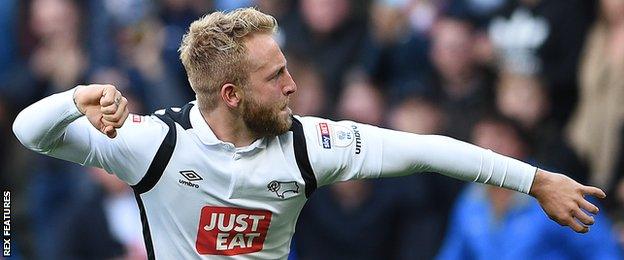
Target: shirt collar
(207, 136)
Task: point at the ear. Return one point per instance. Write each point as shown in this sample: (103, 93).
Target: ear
(231, 95)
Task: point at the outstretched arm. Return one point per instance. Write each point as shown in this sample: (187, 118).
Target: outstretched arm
(561, 198)
(373, 152)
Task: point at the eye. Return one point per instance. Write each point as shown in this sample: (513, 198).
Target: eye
(278, 74)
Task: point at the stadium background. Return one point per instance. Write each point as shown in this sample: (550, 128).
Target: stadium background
(540, 80)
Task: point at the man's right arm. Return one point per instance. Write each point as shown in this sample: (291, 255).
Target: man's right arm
(348, 150)
(54, 126)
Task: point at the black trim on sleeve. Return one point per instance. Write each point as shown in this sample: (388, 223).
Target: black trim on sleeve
(147, 237)
(301, 156)
(161, 159)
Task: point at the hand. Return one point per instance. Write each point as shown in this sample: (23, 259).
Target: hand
(563, 200)
(103, 105)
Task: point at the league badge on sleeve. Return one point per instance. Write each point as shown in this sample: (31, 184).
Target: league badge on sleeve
(342, 136)
(336, 135)
(325, 137)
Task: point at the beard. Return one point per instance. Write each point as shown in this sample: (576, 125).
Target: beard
(266, 121)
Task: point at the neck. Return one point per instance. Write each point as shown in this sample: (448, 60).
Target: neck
(229, 127)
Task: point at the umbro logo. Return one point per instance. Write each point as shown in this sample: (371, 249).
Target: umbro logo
(190, 176)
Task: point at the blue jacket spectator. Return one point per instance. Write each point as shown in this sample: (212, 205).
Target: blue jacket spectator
(521, 233)
(493, 223)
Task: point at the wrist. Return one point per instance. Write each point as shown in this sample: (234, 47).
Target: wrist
(540, 180)
(74, 97)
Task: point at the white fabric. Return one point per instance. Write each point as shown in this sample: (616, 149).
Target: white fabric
(246, 182)
(55, 127)
(386, 153)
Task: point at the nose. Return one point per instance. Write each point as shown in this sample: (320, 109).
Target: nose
(290, 87)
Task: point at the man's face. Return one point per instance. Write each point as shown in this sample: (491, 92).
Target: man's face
(265, 103)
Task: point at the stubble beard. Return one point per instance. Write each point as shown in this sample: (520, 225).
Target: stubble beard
(265, 121)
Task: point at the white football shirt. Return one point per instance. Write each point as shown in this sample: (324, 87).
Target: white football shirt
(204, 198)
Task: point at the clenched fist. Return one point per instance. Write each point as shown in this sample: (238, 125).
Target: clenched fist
(563, 200)
(103, 105)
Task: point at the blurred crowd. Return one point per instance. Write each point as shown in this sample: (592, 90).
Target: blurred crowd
(538, 80)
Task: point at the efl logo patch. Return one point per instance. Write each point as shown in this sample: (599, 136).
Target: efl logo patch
(231, 231)
(343, 136)
(136, 119)
(325, 136)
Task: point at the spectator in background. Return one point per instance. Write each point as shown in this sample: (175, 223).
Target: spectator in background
(599, 116)
(361, 101)
(112, 217)
(417, 115)
(140, 39)
(282, 11)
(544, 36)
(226, 5)
(424, 116)
(492, 223)
(374, 219)
(332, 34)
(597, 126)
(176, 16)
(106, 19)
(57, 61)
(150, 77)
(396, 58)
(464, 89)
(309, 100)
(524, 98)
(8, 21)
(617, 195)
(481, 11)
(8, 18)
(276, 8)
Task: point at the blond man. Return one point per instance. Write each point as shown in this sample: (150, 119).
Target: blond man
(227, 175)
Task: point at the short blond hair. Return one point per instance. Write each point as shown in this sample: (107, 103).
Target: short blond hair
(213, 50)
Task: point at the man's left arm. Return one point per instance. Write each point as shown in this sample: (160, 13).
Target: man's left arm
(374, 152)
